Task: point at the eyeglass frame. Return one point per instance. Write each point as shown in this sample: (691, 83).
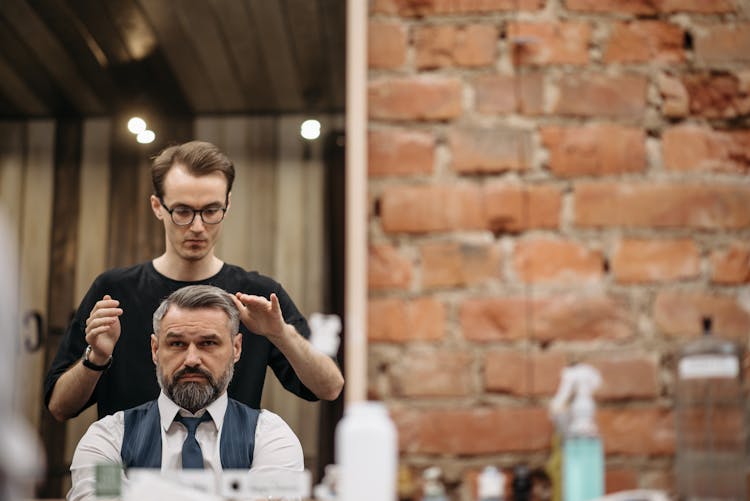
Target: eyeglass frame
(195, 211)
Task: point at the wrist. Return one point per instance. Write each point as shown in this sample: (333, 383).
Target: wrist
(97, 357)
(96, 361)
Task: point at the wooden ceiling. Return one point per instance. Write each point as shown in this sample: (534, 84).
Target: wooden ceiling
(70, 58)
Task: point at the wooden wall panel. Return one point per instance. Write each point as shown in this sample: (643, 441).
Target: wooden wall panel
(91, 255)
(36, 224)
(259, 176)
(61, 294)
(11, 171)
(123, 192)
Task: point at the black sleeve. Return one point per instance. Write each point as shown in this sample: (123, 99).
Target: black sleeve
(73, 342)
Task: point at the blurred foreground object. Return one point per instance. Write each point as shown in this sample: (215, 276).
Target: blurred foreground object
(21, 457)
(710, 420)
(366, 453)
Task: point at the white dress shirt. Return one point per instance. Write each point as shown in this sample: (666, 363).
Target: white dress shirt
(276, 445)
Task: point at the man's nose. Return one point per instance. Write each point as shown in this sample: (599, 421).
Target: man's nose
(192, 356)
(197, 224)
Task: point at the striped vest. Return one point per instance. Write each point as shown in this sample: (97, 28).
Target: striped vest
(141, 442)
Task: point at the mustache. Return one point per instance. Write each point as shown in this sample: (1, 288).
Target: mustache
(193, 371)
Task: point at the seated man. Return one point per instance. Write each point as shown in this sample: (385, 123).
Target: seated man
(192, 424)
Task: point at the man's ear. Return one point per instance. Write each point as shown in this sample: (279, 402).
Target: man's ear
(237, 346)
(229, 199)
(154, 348)
(156, 206)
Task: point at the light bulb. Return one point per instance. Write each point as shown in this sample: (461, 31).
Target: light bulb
(310, 129)
(145, 137)
(136, 125)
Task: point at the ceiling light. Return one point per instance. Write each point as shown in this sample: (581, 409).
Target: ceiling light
(310, 129)
(136, 125)
(145, 137)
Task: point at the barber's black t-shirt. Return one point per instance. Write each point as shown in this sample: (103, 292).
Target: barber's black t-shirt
(131, 380)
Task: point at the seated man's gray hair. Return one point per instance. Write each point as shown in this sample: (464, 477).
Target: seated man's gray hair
(193, 297)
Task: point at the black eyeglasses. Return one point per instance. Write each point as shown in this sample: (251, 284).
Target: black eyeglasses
(183, 215)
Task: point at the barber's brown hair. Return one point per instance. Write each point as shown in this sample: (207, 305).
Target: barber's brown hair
(199, 157)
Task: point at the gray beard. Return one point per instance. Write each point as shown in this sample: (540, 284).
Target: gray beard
(193, 396)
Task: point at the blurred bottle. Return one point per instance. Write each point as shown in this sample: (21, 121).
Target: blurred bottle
(366, 453)
(490, 485)
(432, 485)
(710, 420)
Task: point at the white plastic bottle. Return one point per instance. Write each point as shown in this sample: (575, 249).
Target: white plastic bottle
(490, 485)
(366, 453)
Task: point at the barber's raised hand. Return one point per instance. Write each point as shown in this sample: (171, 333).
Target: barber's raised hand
(261, 315)
(103, 328)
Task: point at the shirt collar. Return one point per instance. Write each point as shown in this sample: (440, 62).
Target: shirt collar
(168, 410)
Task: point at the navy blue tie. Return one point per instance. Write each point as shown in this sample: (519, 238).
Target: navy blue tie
(192, 457)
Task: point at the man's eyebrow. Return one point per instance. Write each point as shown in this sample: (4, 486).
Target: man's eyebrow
(209, 336)
(216, 204)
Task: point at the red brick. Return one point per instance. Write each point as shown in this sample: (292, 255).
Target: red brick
(650, 260)
(651, 6)
(661, 205)
(397, 320)
(564, 42)
(451, 264)
(645, 41)
(496, 319)
(595, 149)
(675, 98)
(512, 208)
(620, 479)
(386, 44)
(572, 317)
(450, 45)
(627, 376)
(431, 208)
(721, 43)
(521, 373)
(619, 6)
(582, 317)
(498, 94)
(426, 97)
(479, 430)
(717, 95)
(731, 265)
(387, 269)
(400, 152)
(418, 8)
(429, 373)
(490, 150)
(698, 6)
(643, 432)
(699, 148)
(599, 95)
(554, 260)
(680, 313)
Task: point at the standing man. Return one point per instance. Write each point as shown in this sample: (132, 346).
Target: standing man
(104, 356)
(192, 424)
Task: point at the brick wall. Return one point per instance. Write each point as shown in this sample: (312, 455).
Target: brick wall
(551, 181)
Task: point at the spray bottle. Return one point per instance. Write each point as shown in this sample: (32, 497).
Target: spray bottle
(582, 455)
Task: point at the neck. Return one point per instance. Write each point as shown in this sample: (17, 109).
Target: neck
(180, 269)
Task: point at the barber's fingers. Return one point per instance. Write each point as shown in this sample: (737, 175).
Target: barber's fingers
(254, 303)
